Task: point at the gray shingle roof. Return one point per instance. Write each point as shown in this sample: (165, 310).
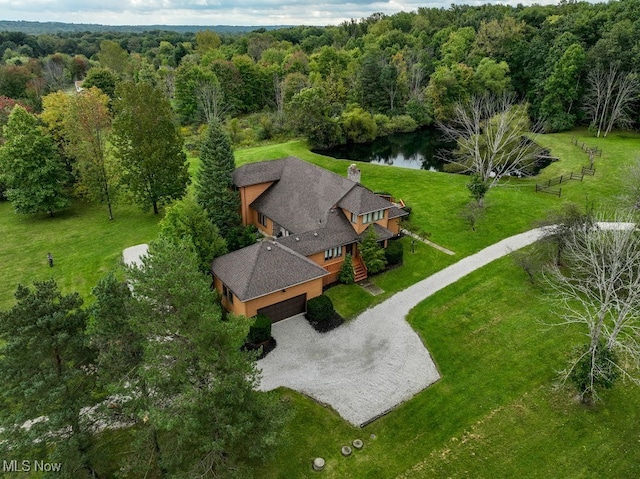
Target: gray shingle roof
(382, 233)
(303, 194)
(337, 232)
(255, 173)
(360, 200)
(303, 197)
(395, 212)
(264, 268)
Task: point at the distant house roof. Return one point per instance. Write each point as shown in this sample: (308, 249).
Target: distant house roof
(337, 231)
(264, 268)
(360, 200)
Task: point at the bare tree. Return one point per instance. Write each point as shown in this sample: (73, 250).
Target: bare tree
(598, 289)
(210, 98)
(53, 70)
(416, 77)
(494, 138)
(610, 95)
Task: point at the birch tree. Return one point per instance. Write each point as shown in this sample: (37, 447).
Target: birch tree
(598, 290)
(610, 95)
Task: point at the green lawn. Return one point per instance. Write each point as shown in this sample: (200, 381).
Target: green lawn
(83, 242)
(495, 412)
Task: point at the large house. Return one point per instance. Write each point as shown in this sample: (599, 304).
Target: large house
(311, 219)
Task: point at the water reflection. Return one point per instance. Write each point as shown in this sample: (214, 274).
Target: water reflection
(417, 150)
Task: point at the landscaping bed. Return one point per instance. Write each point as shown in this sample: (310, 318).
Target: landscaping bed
(327, 324)
(321, 314)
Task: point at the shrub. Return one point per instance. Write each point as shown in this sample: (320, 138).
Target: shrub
(394, 252)
(593, 370)
(347, 275)
(382, 121)
(260, 330)
(372, 254)
(358, 125)
(320, 309)
(402, 124)
(419, 111)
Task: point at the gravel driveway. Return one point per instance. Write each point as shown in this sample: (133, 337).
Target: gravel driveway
(369, 365)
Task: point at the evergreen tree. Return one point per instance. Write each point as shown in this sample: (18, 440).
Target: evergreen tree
(118, 345)
(347, 275)
(148, 145)
(30, 166)
(371, 252)
(47, 379)
(186, 219)
(204, 405)
(214, 180)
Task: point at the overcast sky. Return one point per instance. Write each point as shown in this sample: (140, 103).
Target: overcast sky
(214, 12)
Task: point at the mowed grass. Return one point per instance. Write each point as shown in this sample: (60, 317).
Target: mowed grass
(84, 244)
(496, 412)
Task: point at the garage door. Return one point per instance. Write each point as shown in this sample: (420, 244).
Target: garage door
(285, 309)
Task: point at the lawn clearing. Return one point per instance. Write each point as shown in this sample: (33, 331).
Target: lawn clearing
(482, 332)
(495, 412)
(85, 245)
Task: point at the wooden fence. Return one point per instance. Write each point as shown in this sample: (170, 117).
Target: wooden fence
(550, 191)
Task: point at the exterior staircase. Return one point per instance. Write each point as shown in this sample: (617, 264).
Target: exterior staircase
(359, 270)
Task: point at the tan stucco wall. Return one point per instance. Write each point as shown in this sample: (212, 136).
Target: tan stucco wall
(360, 226)
(250, 308)
(238, 307)
(394, 225)
(248, 195)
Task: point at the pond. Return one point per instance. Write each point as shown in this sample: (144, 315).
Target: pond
(417, 150)
(420, 150)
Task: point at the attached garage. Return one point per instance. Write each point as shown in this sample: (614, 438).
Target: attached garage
(285, 309)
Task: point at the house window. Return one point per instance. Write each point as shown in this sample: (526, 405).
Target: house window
(354, 218)
(333, 253)
(373, 216)
(262, 219)
(227, 293)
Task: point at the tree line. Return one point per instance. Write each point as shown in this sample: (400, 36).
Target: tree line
(363, 78)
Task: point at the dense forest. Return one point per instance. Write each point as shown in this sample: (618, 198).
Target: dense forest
(357, 80)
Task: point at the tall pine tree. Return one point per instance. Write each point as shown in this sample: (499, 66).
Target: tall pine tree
(47, 379)
(30, 166)
(209, 418)
(214, 181)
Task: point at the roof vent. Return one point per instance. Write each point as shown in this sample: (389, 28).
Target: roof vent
(268, 248)
(315, 233)
(297, 239)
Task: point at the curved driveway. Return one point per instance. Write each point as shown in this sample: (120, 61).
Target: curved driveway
(368, 366)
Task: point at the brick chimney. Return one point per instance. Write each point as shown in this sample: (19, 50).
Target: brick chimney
(353, 173)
